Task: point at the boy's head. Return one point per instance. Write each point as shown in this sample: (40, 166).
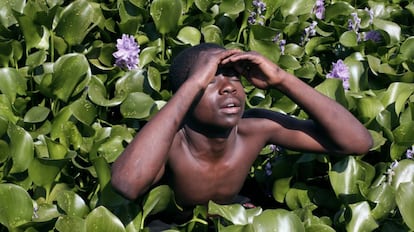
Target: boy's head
(182, 63)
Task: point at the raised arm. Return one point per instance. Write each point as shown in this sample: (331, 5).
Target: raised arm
(143, 161)
(331, 128)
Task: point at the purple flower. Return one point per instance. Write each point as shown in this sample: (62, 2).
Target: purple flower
(257, 15)
(355, 23)
(340, 71)
(309, 31)
(319, 9)
(410, 153)
(371, 15)
(128, 52)
(372, 35)
(281, 42)
(268, 169)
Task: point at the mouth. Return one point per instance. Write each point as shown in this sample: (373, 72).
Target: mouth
(230, 106)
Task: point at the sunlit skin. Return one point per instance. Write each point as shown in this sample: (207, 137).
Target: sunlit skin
(209, 142)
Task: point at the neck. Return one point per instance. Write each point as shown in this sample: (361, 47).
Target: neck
(209, 145)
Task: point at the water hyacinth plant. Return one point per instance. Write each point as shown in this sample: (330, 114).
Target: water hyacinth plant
(79, 78)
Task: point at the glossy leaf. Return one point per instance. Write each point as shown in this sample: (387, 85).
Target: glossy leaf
(156, 201)
(405, 202)
(393, 30)
(407, 48)
(347, 175)
(67, 223)
(44, 171)
(297, 8)
(234, 213)
(404, 172)
(103, 220)
(84, 111)
(12, 83)
(166, 14)
(98, 94)
(361, 219)
(16, 206)
(72, 204)
(36, 114)
(76, 21)
(21, 148)
(189, 35)
(277, 220)
(137, 105)
(69, 71)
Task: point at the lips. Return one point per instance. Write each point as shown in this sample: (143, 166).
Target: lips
(230, 106)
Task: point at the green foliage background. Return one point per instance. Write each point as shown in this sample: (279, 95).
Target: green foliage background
(66, 112)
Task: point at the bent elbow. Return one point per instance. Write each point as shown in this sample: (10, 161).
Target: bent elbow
(363, 145)
(124, 187)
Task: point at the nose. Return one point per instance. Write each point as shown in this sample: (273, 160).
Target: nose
(226, 86)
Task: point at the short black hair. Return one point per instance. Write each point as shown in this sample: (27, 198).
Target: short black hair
(182, 63)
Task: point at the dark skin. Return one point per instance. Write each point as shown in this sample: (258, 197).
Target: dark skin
(209, 142)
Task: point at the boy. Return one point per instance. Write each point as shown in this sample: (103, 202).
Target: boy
(207, 140)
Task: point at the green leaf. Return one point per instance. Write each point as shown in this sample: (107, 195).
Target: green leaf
(103, 220)
(368, 108)
(111, 148)
(349, 176)
(333, 89)
(12, 83)
(166, 14)
(338, 9)
(356, 71)
(16, 206)
(108, 195)
(36, 36)
(349, 39)
(398, 93)
(45, 212)
(407, 48)
(212, 34)
(148, 55)
(235, 213)
(298, 197)
(296, 8)
(189, 35)
(405, 202)
(98, 94)
(278, 220)
(67, 223)
(6, 8)
(289, 62)
(280, 188)
(21, 148)
(361, 218)
(69, 71)
(392, 29)
(84, 111)
(384, 197)
(137, 105)
(72, 204)
(156, 201)
(154, 78)
(44, 171)
(77, 20)
(403, 134)
(404, 172)
(232, 6)
(36, 114)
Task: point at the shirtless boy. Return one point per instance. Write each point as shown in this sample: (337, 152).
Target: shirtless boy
(207, 140)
